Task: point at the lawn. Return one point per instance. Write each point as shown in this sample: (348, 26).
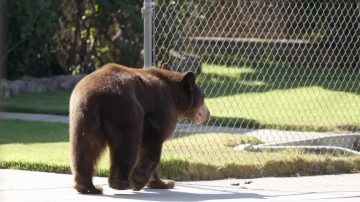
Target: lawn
(258, 96)
(45, 147)
(46, 103)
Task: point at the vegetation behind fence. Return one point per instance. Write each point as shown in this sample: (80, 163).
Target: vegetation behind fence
(269, 68)
(53, 37)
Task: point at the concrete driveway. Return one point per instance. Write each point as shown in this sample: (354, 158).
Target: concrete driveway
(23, 186)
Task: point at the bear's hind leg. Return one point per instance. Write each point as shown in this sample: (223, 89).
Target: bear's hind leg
(124, 145)
(85, 156)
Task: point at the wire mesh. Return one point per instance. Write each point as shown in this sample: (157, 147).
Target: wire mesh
(281, 78)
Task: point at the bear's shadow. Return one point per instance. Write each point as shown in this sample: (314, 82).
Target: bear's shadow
(174, 195)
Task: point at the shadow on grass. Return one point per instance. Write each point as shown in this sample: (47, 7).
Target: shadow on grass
(27, 132)
(272, 76)
(237, 122)
(233, 122)
(56, 102)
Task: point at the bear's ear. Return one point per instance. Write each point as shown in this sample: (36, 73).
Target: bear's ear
(166, 66)
(188, 80)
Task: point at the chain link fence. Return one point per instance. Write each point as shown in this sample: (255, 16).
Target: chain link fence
(281, 78)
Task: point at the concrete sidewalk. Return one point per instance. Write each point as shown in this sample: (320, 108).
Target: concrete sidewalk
(27, 186)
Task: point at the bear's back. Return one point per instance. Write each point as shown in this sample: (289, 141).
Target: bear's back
(106, 78)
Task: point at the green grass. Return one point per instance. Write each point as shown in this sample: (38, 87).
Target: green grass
(47, 103)
(44, 147)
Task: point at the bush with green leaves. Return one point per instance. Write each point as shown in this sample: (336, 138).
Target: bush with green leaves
(49, 37)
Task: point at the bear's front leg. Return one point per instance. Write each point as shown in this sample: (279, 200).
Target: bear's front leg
(157, 183)
(147, 162)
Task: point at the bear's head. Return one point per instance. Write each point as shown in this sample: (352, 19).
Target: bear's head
(197, 110)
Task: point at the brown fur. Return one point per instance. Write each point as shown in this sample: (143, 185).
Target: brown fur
(132, 111)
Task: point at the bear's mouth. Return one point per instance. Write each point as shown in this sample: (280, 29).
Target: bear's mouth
(199, 119)
(202, 115)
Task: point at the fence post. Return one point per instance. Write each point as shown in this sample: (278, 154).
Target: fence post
(147, 11)
(3, 40)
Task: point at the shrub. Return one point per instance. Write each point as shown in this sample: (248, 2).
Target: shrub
(49, 37)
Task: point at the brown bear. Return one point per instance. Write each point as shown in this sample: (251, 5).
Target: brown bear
(132, 111)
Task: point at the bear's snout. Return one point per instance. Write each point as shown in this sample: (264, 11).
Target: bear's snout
(202, 115)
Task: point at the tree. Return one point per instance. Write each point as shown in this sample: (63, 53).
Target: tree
(48, 37)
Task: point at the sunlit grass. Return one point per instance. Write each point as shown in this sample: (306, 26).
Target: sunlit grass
(210, 147)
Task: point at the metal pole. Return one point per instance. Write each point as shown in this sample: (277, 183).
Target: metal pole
(3, 41)
(147, 11)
